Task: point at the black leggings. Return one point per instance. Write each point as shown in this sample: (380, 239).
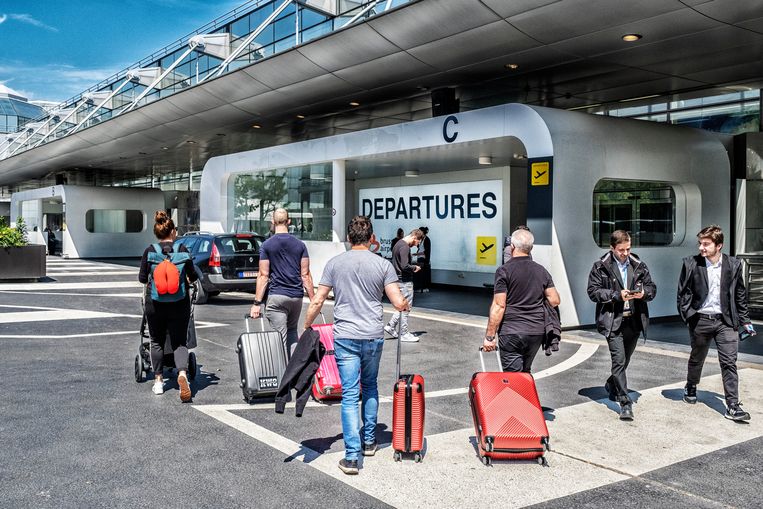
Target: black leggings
(172, 318)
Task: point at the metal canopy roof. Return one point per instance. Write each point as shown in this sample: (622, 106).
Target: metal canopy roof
(568, 54)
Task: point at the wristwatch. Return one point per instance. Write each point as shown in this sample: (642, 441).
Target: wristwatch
(257, 302)
(489, 338)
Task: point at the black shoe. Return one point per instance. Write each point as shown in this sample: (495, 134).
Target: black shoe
(610, 394)
(369, 449)
(349, 467)
(626, 412)
(735, 413)
(690, 393)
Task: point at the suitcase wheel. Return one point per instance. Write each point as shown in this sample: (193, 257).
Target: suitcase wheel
(192, 366)
(138, 368)
(417, 457)
(542, 461)
(398, 456)
(487, 461)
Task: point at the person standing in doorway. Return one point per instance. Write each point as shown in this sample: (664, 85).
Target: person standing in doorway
(402, 262)
(359, 279)
(284, 271)
(423, 259)
(398, 238)
(621, 286)
(517, 314)
(712, 301)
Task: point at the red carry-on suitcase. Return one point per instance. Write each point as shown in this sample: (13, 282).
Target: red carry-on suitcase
(508, 419)
(327, 385)
(407, 412)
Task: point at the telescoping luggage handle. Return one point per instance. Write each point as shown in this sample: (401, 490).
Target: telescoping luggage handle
(399, 329)
(497, 356)
(262, 322)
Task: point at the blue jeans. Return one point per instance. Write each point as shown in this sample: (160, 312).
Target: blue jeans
(358, 363)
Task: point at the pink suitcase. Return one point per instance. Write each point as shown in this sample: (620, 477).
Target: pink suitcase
(327, 385)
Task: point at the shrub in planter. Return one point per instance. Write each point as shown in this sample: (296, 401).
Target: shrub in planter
(13, 237)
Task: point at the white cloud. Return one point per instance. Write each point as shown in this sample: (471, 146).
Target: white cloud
(28, 19)
(54, 82)
(3, 17)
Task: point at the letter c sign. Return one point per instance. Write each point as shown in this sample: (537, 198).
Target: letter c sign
(445, 135)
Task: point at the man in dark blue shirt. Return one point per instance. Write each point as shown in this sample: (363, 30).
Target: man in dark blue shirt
(285, 270)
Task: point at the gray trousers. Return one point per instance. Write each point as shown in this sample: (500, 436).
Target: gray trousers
(518, 351)
(621, 346)
(407, 290)
(703, 331)
(283, 314)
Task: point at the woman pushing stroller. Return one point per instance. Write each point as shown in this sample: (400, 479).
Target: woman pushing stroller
(166, 269)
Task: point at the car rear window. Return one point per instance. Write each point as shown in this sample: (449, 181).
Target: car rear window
(238, 244)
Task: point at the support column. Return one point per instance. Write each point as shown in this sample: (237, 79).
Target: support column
(338, 222)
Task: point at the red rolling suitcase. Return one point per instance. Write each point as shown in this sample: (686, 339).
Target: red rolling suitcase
(327, 385)
(407, 412)
(508, 419)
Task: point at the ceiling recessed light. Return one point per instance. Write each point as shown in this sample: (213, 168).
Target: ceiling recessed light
(511, 66)
(300, 117)
(411, 173)
(165, 148)
(354, 103)
(632, 37)
(256, 126)
(191, 142)
(485, 160)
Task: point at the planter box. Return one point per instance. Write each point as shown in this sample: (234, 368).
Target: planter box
(27, 262)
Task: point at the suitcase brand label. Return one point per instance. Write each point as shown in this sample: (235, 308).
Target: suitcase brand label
(268, 382)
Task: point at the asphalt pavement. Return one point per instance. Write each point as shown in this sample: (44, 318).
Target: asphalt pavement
(78, 431)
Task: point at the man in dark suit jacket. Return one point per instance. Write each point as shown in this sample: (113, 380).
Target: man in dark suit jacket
(712, 300)
(620, 285)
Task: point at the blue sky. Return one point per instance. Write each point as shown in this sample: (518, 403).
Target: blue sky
(55, 49)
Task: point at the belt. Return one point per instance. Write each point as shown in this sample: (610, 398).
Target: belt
(710, 317)
(627, 314)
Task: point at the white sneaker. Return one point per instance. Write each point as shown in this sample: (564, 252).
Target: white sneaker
(389, 330)
(158, 388)
(409, 338)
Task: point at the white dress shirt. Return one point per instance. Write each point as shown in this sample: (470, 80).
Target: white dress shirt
(712, 304)
(624, 275)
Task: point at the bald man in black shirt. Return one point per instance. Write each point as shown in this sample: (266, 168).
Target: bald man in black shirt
(517, 312)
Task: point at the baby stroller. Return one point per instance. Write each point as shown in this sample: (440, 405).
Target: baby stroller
(143, 359)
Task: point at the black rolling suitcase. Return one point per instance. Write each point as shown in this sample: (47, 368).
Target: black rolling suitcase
(261, 360)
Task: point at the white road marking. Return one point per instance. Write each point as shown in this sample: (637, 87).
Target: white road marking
(590, 448)
(107, 269)
(58, 314)
(130, 295)
(69, 286)
(101, 274)
(199, 325)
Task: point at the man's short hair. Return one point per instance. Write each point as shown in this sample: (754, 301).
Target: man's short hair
(618, 237)
(417, 234)
(359, 230)
(280, 216)
(522, 240)
(712, 232)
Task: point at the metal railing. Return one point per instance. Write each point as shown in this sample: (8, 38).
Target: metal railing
(753, 279)
(46, 131)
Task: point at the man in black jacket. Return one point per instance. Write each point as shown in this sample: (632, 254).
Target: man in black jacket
(712, 300)
(621, 286)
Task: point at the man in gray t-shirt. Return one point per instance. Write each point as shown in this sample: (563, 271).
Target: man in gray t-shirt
(359, 280)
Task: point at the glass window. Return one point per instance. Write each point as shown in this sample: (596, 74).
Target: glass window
(204, 246)
(304, 191)
(729, 119)
(645, 209)
(113, 221)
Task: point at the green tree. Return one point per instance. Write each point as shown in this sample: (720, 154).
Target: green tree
(268, 191)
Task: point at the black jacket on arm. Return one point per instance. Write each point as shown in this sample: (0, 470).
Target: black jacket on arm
(300, 370)
(604, 287)
(693, 287)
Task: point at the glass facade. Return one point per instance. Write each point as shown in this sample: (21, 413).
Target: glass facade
(645, 209)
(731, 113)
(304, 191)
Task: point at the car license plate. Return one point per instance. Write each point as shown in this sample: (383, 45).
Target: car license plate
(247, 274)
(269, 382)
